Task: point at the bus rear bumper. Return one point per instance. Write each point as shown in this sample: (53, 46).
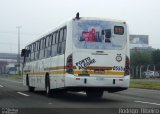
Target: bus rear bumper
(105, 83)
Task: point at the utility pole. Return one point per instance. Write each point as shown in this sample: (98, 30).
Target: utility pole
(136, 71)
(140, 69)
(18, 57)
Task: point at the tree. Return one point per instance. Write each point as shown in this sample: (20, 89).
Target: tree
(156, 58)
(141, 58)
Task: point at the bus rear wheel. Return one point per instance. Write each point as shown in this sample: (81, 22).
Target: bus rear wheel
(31, 89)
(48, 90)
(94, 93)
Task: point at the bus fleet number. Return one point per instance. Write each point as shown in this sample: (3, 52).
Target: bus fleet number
(118, 68)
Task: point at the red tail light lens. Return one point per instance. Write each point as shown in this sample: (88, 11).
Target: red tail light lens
(127, 66)
(69, 64)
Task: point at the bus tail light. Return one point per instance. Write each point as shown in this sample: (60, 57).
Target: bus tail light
(69, 67)
(127, 65)
(78, 79)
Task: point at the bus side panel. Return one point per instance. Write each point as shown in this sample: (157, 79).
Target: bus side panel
(68, 49)
(61, 71)
(52, 72)
(29, 69)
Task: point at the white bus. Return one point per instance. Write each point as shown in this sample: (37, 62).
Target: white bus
(83, 54)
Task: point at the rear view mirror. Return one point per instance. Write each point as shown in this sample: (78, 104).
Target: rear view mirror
(25, 53)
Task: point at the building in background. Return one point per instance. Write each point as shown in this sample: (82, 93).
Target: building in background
(139, 42)
(11, 68)
(8, 63)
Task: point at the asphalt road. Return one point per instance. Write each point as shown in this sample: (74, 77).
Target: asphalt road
(15, 98)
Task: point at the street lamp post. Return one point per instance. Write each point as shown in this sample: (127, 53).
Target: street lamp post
(18, 57)
(136, 71)
(140, 69)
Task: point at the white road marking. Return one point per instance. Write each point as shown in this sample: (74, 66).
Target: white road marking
(10, 80)
(147, 102)
(23, 94)
(82, 93)
(14, 81)
(145, 89)
(1, 86)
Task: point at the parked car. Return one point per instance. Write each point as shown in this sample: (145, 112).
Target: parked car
(151, 74)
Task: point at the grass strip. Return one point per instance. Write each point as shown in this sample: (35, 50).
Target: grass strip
(14, 76)
(145, 85)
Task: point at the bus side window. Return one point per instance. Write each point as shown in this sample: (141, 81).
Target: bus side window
(46, 46)
(61, 35)
(57, 41)
(49, 45)
(57, 37)
(37, 50)
(64, 40)
(59, 50)
(41, 49)
(30, 48)
(64, 33)
(44, 43)
(49, 40)
(53, 38)
(28, 58)
(32, 51)
(54, 44)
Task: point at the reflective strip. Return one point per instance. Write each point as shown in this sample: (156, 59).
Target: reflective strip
(105, 73)
(79, 72)
(44, 73)
(76, 72)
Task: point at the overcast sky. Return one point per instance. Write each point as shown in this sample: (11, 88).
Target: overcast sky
(38, 16)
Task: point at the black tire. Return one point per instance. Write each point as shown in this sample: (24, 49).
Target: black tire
(47, 87)
(94, 94)
(27, 80)
(30, 89)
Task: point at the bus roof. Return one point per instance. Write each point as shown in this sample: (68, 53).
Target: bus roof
(70, 20)
(99, 18)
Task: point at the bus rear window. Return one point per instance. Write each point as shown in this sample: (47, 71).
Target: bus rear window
(98, 34)
(119, 30)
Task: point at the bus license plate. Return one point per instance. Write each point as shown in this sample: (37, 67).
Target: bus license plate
(99, 78)
(99, 71)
